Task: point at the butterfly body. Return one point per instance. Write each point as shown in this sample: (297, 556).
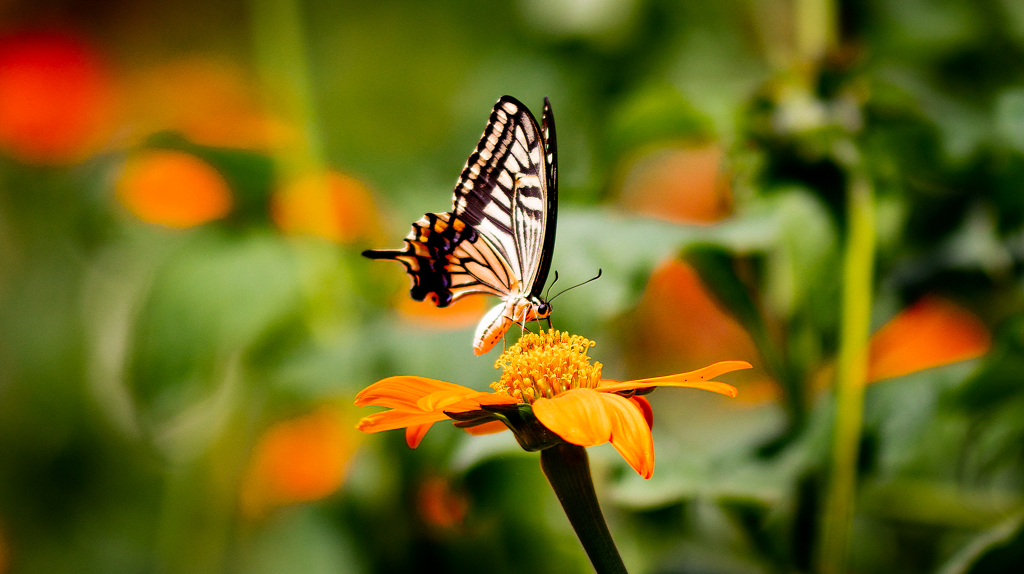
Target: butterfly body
(518, 309)
(499, 236)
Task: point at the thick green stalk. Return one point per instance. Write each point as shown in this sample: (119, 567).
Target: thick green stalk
(815, 23)
(568, 471)
(851, 373)
(279, 49)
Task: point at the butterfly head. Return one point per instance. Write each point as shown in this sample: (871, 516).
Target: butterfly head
(541, 308)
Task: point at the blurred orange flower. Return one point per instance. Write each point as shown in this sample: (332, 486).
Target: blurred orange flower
(298, 460)
(930, 333)
(332, 205)
(439, 504)
(462, 313)
(209, 100)
(56, 98)
(173, 188)
(550, 376)
(675, 296)
(683, 185)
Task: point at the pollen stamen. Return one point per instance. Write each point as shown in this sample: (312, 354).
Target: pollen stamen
(546, 364)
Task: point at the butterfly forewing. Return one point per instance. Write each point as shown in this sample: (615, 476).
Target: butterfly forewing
(502, 191)
(551, 163)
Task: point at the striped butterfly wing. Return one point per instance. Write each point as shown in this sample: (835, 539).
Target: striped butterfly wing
(447, 259)
(503, 193)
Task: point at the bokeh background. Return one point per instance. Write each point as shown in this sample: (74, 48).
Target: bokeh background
(185, 188)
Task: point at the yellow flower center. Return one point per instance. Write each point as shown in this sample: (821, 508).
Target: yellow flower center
(546, 364)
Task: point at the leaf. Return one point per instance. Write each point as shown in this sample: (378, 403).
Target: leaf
(1009, 117)
(997, 550)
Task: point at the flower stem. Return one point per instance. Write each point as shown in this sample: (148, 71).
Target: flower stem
(568, 471)
(850, 375)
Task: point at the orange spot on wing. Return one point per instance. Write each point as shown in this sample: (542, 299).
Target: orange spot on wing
(931, 332)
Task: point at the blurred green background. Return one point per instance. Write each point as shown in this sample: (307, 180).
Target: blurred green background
(185, 188)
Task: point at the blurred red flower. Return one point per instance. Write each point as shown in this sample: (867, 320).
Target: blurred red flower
(56, 98)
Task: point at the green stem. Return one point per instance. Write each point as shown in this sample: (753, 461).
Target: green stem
(815, 28)
(851, 374)
(279, 49)
(568, 471)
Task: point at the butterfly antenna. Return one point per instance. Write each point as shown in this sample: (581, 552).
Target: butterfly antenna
(594, 278)
(550, 285)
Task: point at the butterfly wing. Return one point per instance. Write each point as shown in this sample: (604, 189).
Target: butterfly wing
(551, 164)
(503, 192)
(447, 259)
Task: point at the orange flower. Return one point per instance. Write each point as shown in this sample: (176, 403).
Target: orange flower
(331, 205)
(549, 392)
(298, 460)
(440, 504)
(679, 184)
(931, 332)
(174, 189)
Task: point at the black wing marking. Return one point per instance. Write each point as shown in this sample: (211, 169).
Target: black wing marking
(447, 259)
(503, 188)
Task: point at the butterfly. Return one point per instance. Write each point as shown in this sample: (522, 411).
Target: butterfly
(500, 234)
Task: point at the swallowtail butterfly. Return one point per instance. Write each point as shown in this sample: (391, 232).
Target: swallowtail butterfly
(499, 235)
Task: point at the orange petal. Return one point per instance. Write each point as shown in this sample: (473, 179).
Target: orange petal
(491, 427)
(391, 420)
(631, 435)
(699, 379)
(929, 333)
(588, 418)
(414, 434)
(578, 416)
(405, 392)
(645, 407)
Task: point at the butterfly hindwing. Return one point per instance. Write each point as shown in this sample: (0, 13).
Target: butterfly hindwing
(448, 259)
